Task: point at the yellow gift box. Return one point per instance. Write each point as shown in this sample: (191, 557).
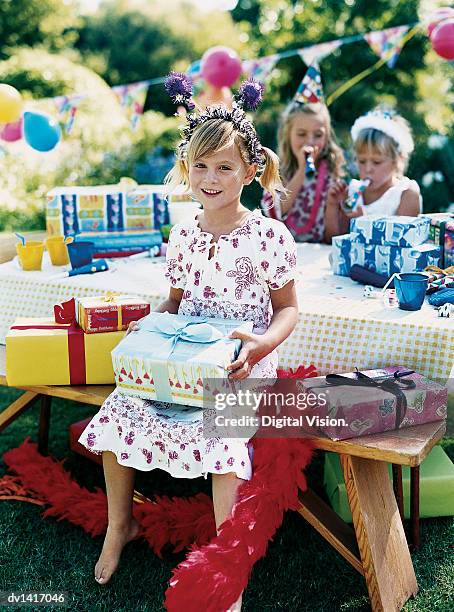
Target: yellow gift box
(42, 352)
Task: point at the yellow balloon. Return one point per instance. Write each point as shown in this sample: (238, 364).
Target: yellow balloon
(10, 104)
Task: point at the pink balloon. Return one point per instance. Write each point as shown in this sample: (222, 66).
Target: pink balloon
(439, 15)
(443, 39)
(12, 131)
(221, 66)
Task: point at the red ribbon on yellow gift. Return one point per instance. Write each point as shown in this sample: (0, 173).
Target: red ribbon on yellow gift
(76, 350)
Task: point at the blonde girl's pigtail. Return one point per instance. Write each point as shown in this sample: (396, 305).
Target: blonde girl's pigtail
(269, 178)
(178, 176)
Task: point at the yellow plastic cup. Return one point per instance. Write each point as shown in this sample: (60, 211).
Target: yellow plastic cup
(30, 255)
(58, 251)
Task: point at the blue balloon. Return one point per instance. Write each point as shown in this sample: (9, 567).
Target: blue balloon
(41, 132)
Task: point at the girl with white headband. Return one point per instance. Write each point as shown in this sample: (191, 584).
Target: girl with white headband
(383, 144)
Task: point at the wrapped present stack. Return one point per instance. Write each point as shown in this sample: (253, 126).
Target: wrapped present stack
(385, 245)
(58, 351)
(441, 233)
(120, 219)
(171, 357)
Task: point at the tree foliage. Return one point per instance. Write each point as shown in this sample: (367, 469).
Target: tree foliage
(276, 25)
(101, 148)
(36, 22)
(129, 41)
(134, 40)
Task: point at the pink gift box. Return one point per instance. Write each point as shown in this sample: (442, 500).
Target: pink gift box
(353, 410)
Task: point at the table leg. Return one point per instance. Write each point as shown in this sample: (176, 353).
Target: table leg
(414, 506)
(15, 409)
(44, 424)
(398, 489)
(383, 548)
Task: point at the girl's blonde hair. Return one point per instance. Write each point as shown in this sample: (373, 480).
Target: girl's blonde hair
(331, 151)
(213, 136)
(375, 140)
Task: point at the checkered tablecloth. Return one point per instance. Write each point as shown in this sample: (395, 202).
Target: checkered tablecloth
(337, 330)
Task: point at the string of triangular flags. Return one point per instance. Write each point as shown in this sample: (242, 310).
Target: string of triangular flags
(66, 107)
(132, 99)
(387, 44)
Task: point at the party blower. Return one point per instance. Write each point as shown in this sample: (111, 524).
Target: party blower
(100, 265)
(352, 201)
(310, 166)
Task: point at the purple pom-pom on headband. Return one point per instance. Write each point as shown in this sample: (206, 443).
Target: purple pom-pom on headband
(250, 94)
(179, 87)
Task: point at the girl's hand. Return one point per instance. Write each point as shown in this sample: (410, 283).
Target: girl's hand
(132, 327)
(304, 153)
(337, 193)
(253, 349)
(357, 212)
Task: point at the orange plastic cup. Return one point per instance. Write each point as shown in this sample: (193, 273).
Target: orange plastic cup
(30, 255)
(58, 251)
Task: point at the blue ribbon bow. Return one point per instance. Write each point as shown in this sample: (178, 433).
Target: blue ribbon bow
(393, 385)
(192, 331)
(173, 331)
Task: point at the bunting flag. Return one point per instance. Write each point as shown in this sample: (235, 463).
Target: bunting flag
(132, 99)
(318, 52)
(260, 69)
(194, 72)
(67, 107)
(387, 44)
(310, 89)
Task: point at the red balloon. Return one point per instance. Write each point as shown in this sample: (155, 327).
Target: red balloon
(12, 131)
(439, 15)
(221, 66)
(443, 39)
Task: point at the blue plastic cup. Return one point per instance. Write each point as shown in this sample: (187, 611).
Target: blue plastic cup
(81, 253)
(411, 290)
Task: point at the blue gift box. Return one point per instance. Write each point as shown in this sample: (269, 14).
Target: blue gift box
(106, 208)
(392, 230)
(385, 259)
(171, 357)
(147, 202)
(113, 244)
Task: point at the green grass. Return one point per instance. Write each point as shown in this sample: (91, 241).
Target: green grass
(301, 572)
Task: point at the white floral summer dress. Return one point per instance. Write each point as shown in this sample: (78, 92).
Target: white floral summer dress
(234, 283)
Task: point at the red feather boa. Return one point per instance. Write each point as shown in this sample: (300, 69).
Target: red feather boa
(180, 522)
(213, 576)
(217, 569)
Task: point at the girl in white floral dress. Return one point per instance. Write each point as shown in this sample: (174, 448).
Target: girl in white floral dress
(229, 263)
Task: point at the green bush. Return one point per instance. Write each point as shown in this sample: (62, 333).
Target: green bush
(101, 148)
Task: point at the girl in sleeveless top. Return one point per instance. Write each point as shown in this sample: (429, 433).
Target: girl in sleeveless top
(383, 144)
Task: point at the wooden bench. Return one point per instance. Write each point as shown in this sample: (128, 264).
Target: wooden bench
(376, 546)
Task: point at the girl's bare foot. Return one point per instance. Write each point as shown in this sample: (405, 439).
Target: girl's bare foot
(114, 542)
